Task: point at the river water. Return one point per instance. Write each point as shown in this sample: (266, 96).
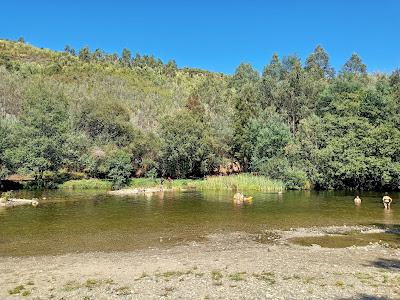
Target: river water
(82, 221)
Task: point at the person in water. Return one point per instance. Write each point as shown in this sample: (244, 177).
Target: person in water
(386, 201)
(357, 200)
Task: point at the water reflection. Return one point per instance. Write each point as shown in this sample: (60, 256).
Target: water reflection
(388, 216)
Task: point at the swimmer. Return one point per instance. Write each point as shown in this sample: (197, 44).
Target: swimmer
(387, 201)
(357, 200)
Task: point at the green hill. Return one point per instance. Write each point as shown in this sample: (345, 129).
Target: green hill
(86, 113)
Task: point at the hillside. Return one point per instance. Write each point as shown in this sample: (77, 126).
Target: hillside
(81, 114)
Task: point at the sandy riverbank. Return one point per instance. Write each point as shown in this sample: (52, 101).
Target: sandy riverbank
(226, 265)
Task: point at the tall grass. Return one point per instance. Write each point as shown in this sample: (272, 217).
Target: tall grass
(241, 182)
(87, 184)
(217, 183)
(156, 182)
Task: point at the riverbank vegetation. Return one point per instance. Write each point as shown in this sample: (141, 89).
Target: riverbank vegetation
(89, 114)
(217, 183)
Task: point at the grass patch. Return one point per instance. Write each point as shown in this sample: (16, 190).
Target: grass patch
(240, 276)
(308, 280)
(71, 286)
(176, 184)
(17, 290)
(216, 275)
(91, 283)
(288, 277)
(340, 283)
(26, 293)
(240, 182)
(173, 273)
(144, 275)
(123, 291)
(364, 277)
(385, 278)
(266, 276)
(87, 184)
(109, 281)
(216, 183)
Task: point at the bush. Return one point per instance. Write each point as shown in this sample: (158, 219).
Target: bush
(279, 168)
(296, 179)
(119, 168)
(273, 168)
(87, 184)
(6, 196)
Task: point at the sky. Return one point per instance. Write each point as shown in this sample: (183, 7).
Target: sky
(214, 35)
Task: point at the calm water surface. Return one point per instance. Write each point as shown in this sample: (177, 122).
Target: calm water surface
(71, 221)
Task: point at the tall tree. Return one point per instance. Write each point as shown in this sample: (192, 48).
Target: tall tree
(318, 65)
(354, 66)
(274, 69)
(84, 54)
(126, 57)
(244, 74)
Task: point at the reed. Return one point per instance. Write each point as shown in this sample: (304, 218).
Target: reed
(241, 182)
(87, 184)
(218, 183)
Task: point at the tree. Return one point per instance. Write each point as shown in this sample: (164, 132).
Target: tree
(98, 55)
(67, 49)
(318, 64)
(5, 129)
(171, 68)
(40, 133)
(244, 74)
(84, 54)
(274, 69)
(354, 66)
(126, 57)
(272, 136)
(185, 151)
(246, 108)
(118, 167)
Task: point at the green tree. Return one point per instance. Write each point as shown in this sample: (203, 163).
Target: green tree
(318, 65)
(247, 106)
(354, 66)
(84, 54)
(118, 167)
(244, 74)
(126, 57)
(186, 149)
(40, 133)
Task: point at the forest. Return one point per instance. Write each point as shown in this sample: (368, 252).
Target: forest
(90, 114)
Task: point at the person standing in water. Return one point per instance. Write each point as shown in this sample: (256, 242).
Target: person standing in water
(357, 200)
(386, 201)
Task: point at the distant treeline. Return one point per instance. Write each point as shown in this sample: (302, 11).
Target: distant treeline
(91, 114)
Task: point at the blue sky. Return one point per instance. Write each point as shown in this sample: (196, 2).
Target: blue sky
(214, 35)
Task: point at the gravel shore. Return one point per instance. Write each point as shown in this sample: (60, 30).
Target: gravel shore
(225, 266)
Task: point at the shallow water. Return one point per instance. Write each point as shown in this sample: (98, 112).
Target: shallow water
(72, 221)
(347, 240)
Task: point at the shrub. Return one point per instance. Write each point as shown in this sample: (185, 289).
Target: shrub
(296, 179)
(119, 168)
(279, 168)
(87, 184)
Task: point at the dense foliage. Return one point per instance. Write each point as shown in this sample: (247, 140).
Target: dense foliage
(76, 114)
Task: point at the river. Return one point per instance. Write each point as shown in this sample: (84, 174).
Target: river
(87, 221)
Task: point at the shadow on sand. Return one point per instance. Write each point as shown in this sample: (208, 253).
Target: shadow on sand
(388, 264)
(365, 297)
